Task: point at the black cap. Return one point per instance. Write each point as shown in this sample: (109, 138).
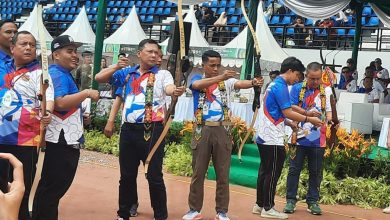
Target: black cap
(378, 60)
(63, 41)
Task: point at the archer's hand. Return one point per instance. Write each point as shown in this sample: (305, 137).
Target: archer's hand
(313, 113)
(93, 94)
(86, 119)
(294, 126)
(258, 82)
(109, 129)
(122, 63)
(179, 91)
(46, 119)
(315, 121)
(227, 74)
(10, 202)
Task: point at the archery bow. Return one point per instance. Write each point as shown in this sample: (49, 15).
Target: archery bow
(257, 74)
(182, 60)
(42, 98)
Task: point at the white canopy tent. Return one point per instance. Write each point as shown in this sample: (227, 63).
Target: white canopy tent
(129, 33)
(80, 30)
(31, 25)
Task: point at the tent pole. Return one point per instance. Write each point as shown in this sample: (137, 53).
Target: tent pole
(100, 29)
(358, 31)
(248, 64)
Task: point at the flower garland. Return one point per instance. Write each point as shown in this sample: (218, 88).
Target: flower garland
(149, 106)
(322, 97)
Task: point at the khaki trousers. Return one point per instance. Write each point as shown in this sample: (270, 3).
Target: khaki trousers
(215, 143)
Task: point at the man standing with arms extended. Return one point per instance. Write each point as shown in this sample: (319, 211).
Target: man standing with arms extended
(212, 136)
(64, 136)
(20, 82)
(275, 109)
(145, 88)
(312, 99)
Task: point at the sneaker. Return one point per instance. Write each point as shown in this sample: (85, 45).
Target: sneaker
(257, 209)
(387, 210)
(133, 210)
(120, 218)
(290, 207)
(192, 215)
(314, 209)
(221, 216)
(272, 213)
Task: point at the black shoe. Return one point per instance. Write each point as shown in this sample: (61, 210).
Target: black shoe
(133, 210)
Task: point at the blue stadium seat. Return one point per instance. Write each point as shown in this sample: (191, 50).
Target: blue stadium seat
(167, 11)
(114, 11)
(121, 10)
(214, 4)
(159, 11)
(145, 4)
(95, 4)
(90, 17)
(72, 10)
(125, 4)
(108, 11)
(238, 11)
(230, 11)
(222, 4)
(66, 10)
(242, 20)
(214, 10)
(367, 11)
(286, 20)
(128, 10)
(231, 4)
(161, 4)
(69, 17)
(324, 33)
(59, 10)
(111, 18)
(143, 11)
(290, 31)
(373, 22)
(220, 10)
(74, 4)
(62, 17)
(142, 18)
(351, 33)
(235, 29)
(111, 4)
(150, 11)
(309, 22)
(131, 3)
(153, 4)
(63, 26)
(274, 20)
(55, 17)
(88, 4)
(341, 32)
(118, 4)
(93, 11)
(115, 27)
(350, 21)
(278, 31)
(149, 19)
(233, 20)
(67, 3)
(364, 21)
(138, 4)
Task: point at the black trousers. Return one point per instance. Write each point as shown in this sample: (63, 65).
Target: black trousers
(58, 172)
(28, 156)
(272, 159)
(133, 149)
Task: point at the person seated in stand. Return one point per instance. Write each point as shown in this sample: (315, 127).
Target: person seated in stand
(299, 30)
(369, 72)
(346, 80)
(372, 93)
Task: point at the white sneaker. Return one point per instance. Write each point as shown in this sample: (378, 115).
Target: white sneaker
(257, 209)
(221, 216)
(387, 210)
(192, 215)
(272, 213)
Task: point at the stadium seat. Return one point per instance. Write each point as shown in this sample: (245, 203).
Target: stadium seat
(149, 19)
(62, 17)
(231, 4)
(125, 4)
(238, 11)
(145, 4)
(367, 11)
(118, 4)
(220, 10)
(235, 29)
(111, 18)
(95, 4)
(278, 31)
(87, 4)
(363, 21)
(242, 21)
(286, 20)
(350, 21)
(66, 10)
(233, 20)
(138, 4)
(150, 11)
(309, 22)
(111, 4)
(351, 33)
(167, 11)
(93, 11)
(161, 4)
(114, 11)
(143, 11)
(72, 10)
(69, 17)
(274, 20)
(121, 10)
(222, 4)
(230, 11)
(142, 18)
(341, 32)
(290, 31)
(214, 4)
(153, 4)
(159, 11)
(55, 17)
(131, 4)
(373, 22)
